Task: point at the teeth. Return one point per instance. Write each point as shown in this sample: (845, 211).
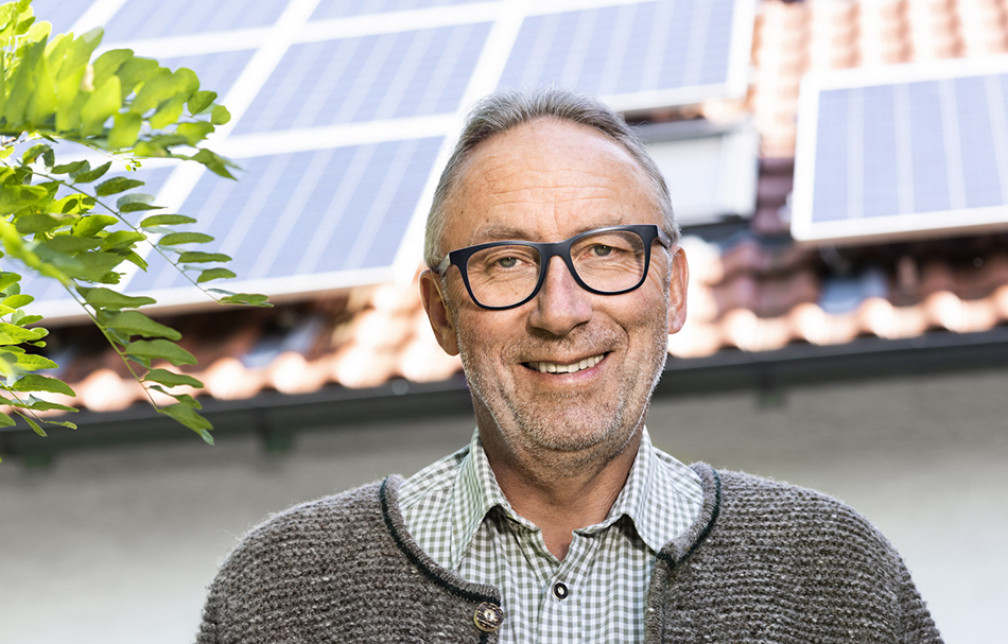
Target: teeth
(552, 367)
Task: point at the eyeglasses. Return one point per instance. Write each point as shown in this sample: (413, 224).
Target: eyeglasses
(606, 261)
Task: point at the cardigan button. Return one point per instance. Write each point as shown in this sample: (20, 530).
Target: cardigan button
(488, 617)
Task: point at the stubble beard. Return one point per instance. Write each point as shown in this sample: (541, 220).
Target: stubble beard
(557, 431)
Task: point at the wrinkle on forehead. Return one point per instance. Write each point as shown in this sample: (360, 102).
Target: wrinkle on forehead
(517, 185)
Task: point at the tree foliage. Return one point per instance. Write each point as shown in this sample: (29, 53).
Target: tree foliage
(84, 224)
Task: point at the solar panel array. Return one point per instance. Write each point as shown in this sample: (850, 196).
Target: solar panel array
(919, 150)
(343, 112)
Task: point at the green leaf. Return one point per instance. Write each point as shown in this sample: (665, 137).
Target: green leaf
(125, 130)
(41, 107)
(147, 350)
(196, 257)
(96, 267)
(103, 103)
(135, 70)
(201, 100)
(70, 168)
(89, 225)
(251, 299)
(189, 417)
(34, 425)
(122, 239)
(7, 280)
(109, 63)
(92, 175)
(34, 152)
(136, 201)
(32, 362)
(75, 204)
(116, 185)
(16, 197)
(136, 323)
(6, 421)
(45, 405)
(17, 300)
(166, 220)
(171, 379)
(71, 245)
(14, 334)
(104, 298)
(214, 162)
(40, 222)
(195, 131)
(213, 274)
(35, 382)
(168, 112)
(173, 239)
(220, 115)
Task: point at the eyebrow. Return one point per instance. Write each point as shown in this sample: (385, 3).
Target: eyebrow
(497, 231)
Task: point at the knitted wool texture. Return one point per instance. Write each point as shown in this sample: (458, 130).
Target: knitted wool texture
(764, 562)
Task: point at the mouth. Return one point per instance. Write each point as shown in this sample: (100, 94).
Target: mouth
(574, 367)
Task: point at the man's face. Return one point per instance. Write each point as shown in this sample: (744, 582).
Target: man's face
(569, 371)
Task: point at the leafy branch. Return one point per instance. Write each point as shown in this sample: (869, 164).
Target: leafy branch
(57, 219)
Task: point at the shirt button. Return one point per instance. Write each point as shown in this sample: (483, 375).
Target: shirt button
(560, 590)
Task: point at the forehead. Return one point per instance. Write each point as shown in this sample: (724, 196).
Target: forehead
(547, 179)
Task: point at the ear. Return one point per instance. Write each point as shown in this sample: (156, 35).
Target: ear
(437, 313)
(679, 280)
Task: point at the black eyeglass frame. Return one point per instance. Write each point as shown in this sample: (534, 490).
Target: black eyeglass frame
(547, 250)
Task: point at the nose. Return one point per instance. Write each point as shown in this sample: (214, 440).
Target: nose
(561, 304)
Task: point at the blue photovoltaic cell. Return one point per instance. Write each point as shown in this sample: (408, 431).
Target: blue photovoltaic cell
(631, 48)
(830, 197)
(980, 169)
(384, 76)
(309, 212)
(930, 174)
(156, 18)
(880, 185)
(61, 13)
(914, 147)
(328, 9)
(217, 72)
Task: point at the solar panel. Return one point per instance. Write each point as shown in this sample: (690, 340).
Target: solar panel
(906, 151)
(141, 20)
(373, 77)
(309, 215)
(643, 54)
(343, 112)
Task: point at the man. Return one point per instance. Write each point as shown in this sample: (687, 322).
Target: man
(555, 273)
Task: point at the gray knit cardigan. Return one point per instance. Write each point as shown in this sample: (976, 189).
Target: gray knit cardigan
(764, 562)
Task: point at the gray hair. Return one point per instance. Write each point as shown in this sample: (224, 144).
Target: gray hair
(503, 111)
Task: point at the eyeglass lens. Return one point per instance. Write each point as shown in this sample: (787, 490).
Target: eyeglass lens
(607, 261)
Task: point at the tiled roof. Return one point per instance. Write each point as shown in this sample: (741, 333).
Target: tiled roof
(754, 290)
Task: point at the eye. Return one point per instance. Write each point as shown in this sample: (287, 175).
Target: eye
(601, 250)
(506, 262)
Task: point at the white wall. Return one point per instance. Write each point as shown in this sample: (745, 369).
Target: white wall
(117, 545)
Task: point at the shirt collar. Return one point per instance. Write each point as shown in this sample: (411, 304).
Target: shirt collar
(475, 493)
(654, 494)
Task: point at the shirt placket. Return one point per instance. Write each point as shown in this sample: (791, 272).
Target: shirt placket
(561, 595)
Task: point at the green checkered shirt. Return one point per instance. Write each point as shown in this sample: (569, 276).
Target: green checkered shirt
(456, 512)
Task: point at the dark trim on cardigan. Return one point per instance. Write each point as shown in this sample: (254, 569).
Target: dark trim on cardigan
(704, 532)
(416, 561)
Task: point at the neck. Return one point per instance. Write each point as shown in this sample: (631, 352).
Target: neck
(560, 492)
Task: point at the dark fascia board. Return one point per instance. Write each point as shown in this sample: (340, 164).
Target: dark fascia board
(276, 417)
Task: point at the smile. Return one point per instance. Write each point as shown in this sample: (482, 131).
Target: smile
(553, 367)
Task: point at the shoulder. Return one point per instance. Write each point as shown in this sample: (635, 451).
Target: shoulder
(309, 532)
(754, 512)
